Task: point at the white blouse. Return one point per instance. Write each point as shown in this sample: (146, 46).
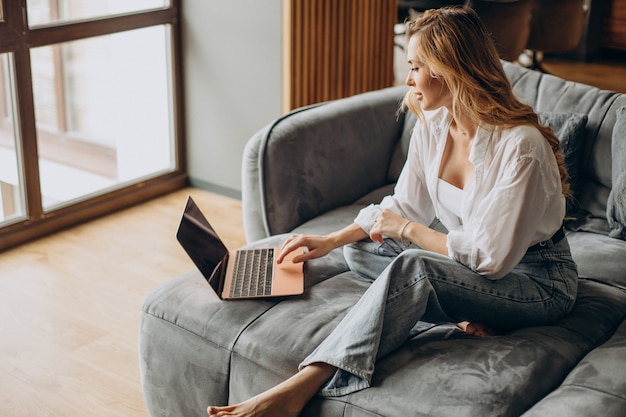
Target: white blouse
(514, 202)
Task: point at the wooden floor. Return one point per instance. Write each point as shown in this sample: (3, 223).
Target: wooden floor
(607, 75)
(69, 303)
(69, 307)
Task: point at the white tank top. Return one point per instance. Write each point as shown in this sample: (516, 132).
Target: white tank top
(450, 198)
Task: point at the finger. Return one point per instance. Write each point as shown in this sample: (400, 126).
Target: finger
(307, 255)
(377, 237)
(284, 251)
(290, 246)
(289, 240)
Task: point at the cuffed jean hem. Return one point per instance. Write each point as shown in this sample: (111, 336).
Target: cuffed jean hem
(343, 382)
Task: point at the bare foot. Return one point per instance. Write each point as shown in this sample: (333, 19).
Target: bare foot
(476, 329)
(267, 404)
(285, 400)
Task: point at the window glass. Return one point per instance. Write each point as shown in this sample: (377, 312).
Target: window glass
(102, 110)
(45, 12)
(11, 183)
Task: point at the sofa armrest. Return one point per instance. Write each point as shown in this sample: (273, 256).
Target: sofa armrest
(318, 158)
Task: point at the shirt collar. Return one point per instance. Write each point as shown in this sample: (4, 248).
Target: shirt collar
(480, 145)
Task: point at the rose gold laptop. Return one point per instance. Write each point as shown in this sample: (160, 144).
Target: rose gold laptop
(242, 273)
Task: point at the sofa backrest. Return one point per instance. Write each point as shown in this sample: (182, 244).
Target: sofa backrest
(307, 144)
(549, 93)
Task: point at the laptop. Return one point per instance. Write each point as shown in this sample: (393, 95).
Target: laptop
(237, 274)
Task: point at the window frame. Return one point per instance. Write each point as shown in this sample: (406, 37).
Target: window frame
(17, 38)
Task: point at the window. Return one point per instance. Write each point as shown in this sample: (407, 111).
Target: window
(11, 190)
(46, 12)
(90, 111)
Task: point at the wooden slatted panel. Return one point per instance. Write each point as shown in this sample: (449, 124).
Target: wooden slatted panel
(336, 48)
(614, 26)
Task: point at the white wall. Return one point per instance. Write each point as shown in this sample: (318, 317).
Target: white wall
(232, 76)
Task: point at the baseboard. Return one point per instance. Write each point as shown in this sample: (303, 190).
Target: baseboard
(215, 188)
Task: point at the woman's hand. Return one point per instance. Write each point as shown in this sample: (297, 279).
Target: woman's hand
(317, 246)
(388, 224)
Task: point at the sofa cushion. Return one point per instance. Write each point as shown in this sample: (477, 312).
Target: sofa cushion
(570, 129)
(599, 257)
(452, 373)
(275, 344)
(597, 383)
(616, 204)
(186, 338)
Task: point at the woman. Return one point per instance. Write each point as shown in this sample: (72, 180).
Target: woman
(480, 163)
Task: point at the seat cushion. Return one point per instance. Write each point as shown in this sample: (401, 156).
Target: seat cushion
(447, 372)
(599, 257)
(195, 351)
(185, 343)
(597, 384)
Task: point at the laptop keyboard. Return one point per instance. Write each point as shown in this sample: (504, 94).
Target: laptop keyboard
(253, 273)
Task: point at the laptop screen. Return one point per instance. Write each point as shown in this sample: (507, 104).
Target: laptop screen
(201, 243)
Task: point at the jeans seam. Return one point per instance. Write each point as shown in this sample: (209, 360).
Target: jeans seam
(396, 292)
(474, 289)
(566, 307)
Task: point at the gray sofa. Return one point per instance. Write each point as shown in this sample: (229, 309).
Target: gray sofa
(311, 171)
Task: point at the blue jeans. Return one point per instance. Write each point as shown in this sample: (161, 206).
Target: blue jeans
(411, 285)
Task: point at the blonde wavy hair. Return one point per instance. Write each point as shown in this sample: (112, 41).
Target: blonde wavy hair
(459, 50)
